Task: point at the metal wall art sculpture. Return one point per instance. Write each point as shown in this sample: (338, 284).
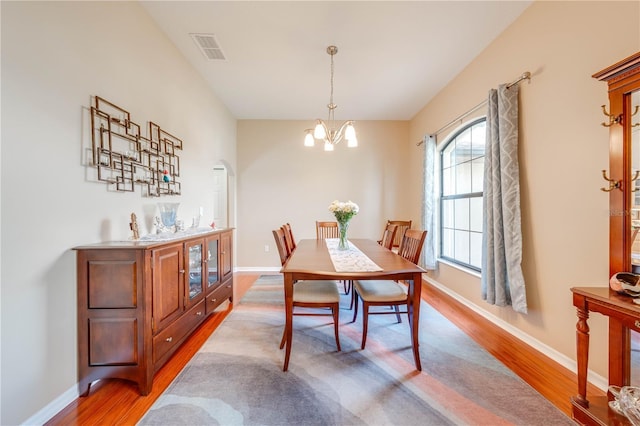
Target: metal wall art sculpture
(125, 158)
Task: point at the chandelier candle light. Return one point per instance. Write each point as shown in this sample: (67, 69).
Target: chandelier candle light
(326, 131)
(343, 213)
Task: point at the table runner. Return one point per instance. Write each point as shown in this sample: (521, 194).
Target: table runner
(351, 260)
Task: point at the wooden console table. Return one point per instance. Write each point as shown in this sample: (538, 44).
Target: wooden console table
(623, 316)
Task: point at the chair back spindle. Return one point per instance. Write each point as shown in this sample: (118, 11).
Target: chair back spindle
(388, 236)
(402, 225)
(411, 245)
(326, 230)
(288, 235)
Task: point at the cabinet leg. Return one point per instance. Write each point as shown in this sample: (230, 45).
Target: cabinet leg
(144, 389)
(84, 388)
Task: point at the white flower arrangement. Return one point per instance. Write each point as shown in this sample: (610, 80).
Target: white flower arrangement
(343, 211)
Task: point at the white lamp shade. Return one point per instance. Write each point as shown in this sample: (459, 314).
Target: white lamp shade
(328, 146)
(350, 132)
(308, 139)
(319, 132)
(353, 142)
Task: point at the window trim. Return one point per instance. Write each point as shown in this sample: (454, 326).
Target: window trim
(449, 139)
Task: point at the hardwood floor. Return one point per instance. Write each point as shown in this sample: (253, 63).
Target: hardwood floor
(117, 402)
(550, 379)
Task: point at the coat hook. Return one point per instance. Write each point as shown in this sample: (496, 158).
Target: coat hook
(613, 184)
(612, 119)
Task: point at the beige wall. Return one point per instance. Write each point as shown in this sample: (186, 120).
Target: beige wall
(55, 56)
(563, 148)
(280, 180)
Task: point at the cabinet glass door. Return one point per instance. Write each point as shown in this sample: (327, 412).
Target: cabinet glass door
(213, 277)
(195, 270)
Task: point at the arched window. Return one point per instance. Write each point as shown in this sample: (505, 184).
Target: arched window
(461, 185)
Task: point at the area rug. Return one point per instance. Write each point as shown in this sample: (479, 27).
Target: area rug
(236, 378)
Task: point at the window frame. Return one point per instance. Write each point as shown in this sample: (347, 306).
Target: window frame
(451, 138)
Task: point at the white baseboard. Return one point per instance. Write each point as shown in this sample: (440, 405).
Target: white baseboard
(258, 269)
(54, 407)
(58, 404)
(596, 379)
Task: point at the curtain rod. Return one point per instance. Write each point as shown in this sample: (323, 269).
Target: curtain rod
(525, 76)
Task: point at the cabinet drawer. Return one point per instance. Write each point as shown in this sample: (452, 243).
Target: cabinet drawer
(169, 339)
(219, 295)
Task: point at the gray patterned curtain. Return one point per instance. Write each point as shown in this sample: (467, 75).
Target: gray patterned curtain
(502, 279)
(428, 258)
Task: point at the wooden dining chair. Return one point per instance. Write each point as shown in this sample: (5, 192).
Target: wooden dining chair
(388, 236)
(288, 235)
(402, 225)
(331, 230)
(387, 242)
(310, 293)
(388, 292)
(326, 230)
(281, 245)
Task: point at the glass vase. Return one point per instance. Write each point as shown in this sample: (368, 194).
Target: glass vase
(629, 400)
(168, 212)
(343, 244)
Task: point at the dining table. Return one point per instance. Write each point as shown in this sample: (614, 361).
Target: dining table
(311, 260)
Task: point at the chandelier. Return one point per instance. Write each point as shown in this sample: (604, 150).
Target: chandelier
(326, 131)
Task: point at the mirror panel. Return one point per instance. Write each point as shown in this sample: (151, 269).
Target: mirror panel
(635, 225)
(634, 380)
(635, 186)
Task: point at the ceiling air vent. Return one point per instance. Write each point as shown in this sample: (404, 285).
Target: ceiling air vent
(209, 47)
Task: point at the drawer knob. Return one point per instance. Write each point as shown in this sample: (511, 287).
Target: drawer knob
(169, 339)
(637, 323)
(199, 313)
(213, 300)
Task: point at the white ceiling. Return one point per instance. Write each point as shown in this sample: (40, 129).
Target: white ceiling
(393, 56)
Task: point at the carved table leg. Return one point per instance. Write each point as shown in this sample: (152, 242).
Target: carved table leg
(582, 345)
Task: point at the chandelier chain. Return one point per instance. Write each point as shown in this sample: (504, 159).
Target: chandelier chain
(331, 105)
